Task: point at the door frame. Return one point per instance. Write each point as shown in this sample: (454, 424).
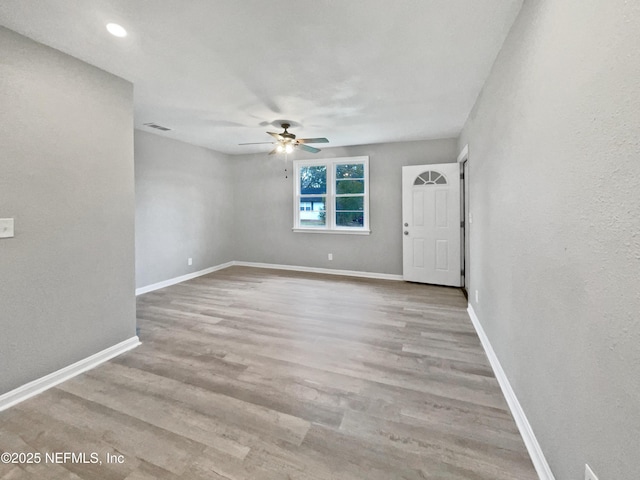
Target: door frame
(463, 160)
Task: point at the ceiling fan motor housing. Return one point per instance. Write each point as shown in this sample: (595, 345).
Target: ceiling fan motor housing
(286, 134)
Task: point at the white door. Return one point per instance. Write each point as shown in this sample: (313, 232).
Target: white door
(431, 223)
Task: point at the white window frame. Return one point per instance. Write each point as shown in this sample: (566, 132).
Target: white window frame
(330, 199)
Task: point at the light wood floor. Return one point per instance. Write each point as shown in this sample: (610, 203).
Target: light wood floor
(262, 374)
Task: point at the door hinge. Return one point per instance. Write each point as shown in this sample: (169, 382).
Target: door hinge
(462, 273)
(461, 223)
(462, 176)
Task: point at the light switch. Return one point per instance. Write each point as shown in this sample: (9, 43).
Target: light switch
(6, 227)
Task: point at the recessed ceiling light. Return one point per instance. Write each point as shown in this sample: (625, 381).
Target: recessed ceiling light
(116, 30)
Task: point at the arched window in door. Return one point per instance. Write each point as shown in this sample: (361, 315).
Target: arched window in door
(430, 177)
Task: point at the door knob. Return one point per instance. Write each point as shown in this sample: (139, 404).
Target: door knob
(406, 224)
(406, 233)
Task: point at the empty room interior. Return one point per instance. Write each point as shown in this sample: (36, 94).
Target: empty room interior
(312, 240)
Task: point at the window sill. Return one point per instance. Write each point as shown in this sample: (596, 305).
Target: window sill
(332, 231)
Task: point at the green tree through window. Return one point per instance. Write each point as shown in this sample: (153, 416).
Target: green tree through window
(350, 195)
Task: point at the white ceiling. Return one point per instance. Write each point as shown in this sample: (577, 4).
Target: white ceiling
(222, 72)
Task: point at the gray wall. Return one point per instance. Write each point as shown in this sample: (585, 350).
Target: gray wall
(555, 239)
(66, 175)
(184, 208)
(264, 208)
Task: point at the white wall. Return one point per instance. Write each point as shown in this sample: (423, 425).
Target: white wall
(66, 176)
(263, 202)
(555, 239)
(184, 208)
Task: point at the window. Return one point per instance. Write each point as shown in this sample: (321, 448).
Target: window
(332, 195)
(430, 177)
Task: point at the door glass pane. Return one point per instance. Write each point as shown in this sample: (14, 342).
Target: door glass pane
(313, 180)
(349, 203)
(312, 212)
(350, 219)
(349, 186)
(354, 170)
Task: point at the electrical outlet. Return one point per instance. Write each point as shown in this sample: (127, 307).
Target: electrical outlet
(476, 296)
(330, 256)
(6, 227)
(189, 261)
(588, 473)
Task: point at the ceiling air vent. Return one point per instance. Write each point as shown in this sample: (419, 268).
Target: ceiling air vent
(157, 127)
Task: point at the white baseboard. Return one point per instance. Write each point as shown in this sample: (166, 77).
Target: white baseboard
(533, 447)
(35, 387)
(183, 278)
(295, 268)
(329, 271)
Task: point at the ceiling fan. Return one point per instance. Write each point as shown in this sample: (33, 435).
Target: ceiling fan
(286, 142)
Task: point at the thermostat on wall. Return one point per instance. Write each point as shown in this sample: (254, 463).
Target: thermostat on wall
(6, 227)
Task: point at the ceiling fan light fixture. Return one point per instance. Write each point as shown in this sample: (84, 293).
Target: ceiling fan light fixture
(286, 142)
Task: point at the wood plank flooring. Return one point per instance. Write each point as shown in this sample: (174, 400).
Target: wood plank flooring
(262, 374)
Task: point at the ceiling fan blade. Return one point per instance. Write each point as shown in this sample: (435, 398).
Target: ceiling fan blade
(257, 143)
(273, 152)
(308, 148)
(313, 140)
(276, 135)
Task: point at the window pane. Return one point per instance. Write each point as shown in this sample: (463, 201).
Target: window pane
(349, 203)
(354, 170)
(441, 180)
(350, 219)
(349, 186)
(313, 180)
(312, 212)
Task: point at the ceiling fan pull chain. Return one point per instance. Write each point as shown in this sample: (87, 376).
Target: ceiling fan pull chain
(286, 155)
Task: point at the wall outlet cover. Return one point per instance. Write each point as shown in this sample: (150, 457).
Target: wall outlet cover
(6, 228)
